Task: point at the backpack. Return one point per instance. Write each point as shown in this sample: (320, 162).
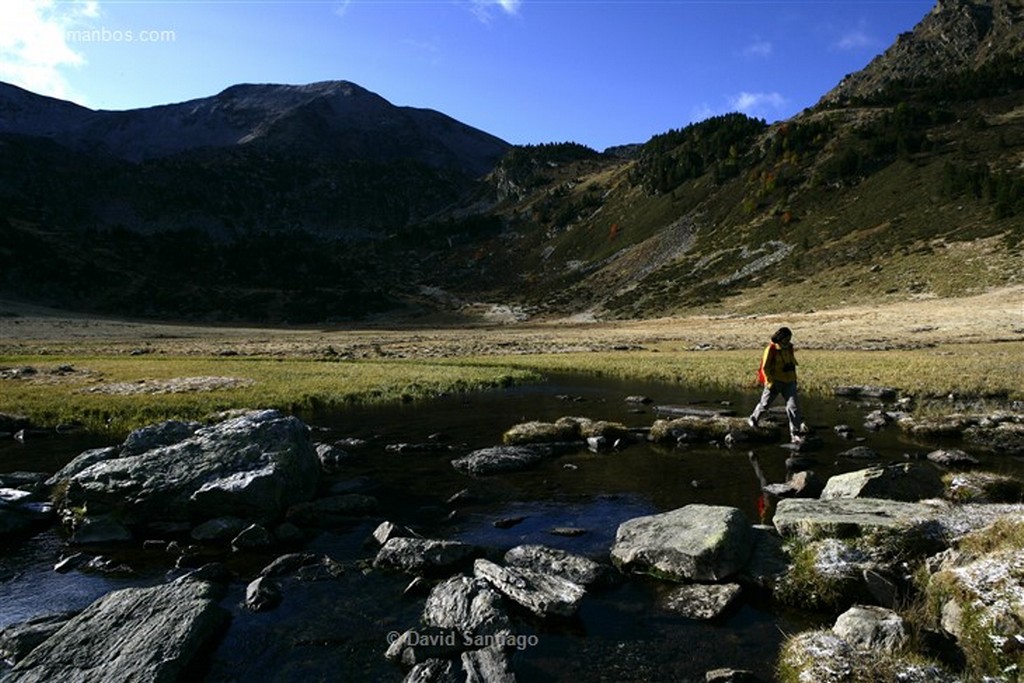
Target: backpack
(769, 357)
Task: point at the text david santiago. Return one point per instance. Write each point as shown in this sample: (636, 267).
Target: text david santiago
(453, 639)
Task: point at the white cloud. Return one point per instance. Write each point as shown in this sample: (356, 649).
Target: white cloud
(855, 39)
(751, 102)
(34, 49)
(341, 8)
(484, 9)
(758, 48)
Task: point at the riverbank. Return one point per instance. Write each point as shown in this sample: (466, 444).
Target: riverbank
(119, 374)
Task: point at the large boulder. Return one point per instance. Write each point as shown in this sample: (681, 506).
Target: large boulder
(850, 517)
(253, 466)
(905, 481)
(134, 634)
(692, 543)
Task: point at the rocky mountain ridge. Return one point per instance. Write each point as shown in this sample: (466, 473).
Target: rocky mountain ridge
(955, 35)
(324, 202)
(331, 119)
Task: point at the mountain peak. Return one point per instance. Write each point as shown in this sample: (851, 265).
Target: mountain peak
(955, 36)
(338, 120)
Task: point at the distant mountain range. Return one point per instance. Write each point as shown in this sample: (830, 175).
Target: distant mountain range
(324, 202)
(330, 120)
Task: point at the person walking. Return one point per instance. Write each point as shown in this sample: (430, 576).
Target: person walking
(778, 375)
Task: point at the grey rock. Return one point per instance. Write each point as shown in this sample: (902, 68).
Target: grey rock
(469, 606)
(385, 531)
(905, 481)
(219, 529)
(802, 484)
(867, 391)
(543, 594)
(432, 671)
(576, 568)
(727, 675)
(332, 458)
(692, 543)
(252, 537)
(860, 453)
(332, 510)
(498, 459)
(702, 601)
(423, 644)
(487, 665)
(422, 554)
(134, 634)
(253, 466)
(17, 640)
(100, 529)
(83, 461)
(811, 519)
(262, 594)
(871, 627)
(154, 436)
(952, 457)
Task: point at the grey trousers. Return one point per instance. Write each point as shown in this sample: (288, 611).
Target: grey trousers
(788, 391)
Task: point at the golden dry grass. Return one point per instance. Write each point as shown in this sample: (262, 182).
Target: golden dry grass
(932, 347)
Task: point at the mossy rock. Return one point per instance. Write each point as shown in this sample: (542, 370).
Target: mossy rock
(823, 657)
(711, 428)
(542, 432)
(564, 429)
(983, 487)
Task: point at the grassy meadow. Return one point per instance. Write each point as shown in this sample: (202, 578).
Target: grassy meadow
(118, 392)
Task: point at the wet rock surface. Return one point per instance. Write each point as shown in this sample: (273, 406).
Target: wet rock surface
(149, 634)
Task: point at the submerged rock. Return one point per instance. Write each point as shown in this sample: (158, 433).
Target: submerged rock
(703, 601)
(499, 459)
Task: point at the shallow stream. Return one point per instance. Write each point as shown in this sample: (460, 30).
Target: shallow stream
(338, 630)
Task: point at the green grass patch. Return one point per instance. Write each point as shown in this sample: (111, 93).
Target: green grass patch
(50, 398)
(295, 384)
(973, 370)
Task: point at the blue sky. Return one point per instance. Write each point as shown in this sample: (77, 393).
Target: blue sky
(598, 72)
